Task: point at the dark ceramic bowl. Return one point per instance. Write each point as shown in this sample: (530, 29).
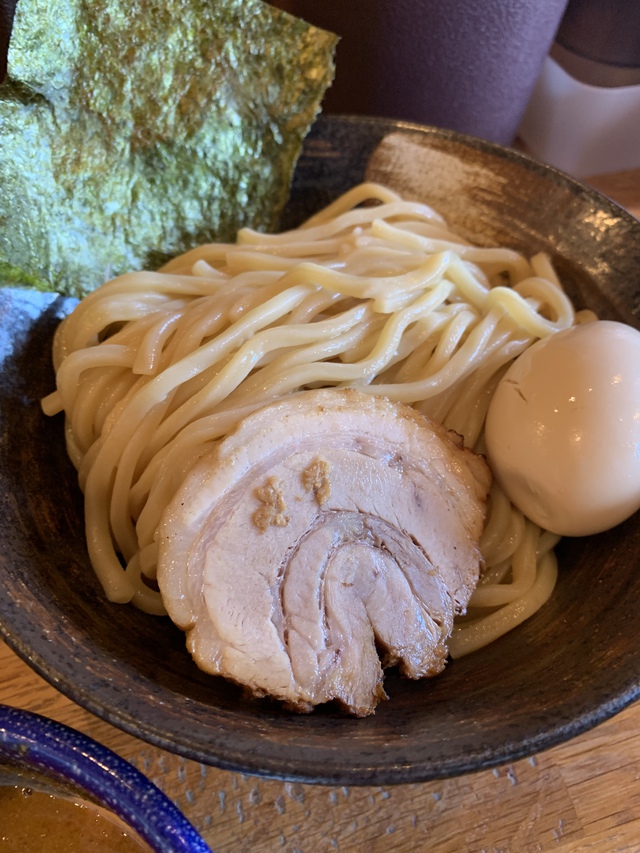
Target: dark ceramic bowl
(46, 755)
(571, 666)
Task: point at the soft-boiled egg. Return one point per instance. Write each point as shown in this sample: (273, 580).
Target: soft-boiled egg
(563, 429)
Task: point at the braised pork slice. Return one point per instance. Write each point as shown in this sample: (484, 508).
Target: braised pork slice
(333, 534)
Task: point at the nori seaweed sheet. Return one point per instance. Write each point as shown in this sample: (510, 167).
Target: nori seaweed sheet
(130, 132)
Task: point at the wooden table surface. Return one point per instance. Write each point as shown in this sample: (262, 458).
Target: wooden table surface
(582, 796)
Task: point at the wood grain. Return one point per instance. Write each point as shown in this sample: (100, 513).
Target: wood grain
(582, 796)
(623, 187)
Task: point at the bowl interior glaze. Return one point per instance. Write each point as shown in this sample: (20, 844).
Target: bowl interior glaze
(571, 666)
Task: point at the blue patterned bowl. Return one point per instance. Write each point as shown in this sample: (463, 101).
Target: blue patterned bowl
(60, 757)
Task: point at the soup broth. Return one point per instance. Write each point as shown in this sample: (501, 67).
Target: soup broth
(33, 821)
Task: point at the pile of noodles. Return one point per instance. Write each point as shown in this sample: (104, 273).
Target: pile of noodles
(155, 366)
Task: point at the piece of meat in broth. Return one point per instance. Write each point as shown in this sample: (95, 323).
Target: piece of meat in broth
(331, 528)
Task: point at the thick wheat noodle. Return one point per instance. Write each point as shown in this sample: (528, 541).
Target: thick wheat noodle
(468, 637)
(154, 367)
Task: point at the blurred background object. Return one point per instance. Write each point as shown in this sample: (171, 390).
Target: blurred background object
(7, 8)
(584, 114)
(463, 65)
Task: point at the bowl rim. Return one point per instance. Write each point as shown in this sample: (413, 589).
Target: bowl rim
(66, 754)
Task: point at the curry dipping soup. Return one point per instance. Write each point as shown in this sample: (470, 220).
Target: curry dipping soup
(35, 819)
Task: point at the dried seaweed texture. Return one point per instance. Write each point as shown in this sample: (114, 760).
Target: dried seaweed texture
(130, 132)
